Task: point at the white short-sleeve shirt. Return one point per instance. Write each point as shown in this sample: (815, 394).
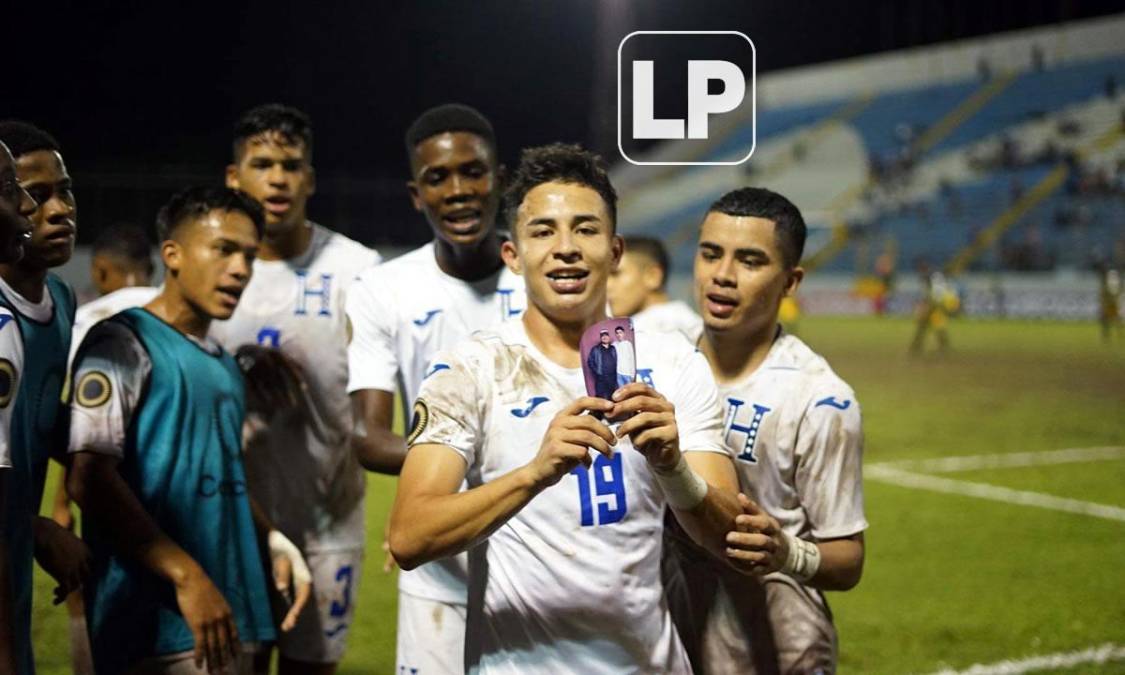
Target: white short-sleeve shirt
(571, 582)
(796, 433)
(402, 313)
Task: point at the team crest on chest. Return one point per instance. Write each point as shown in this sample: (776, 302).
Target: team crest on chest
(749, 428)
(314, 296)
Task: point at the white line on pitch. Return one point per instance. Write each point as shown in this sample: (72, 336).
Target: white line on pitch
(894, 476)
(1009, 460)
(1100, 654)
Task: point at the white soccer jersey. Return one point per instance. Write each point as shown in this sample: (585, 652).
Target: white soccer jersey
(402, 314)
(571, 583)
(104, 307)
(670, 316)
(309, 484)
(11, 365)
(796, 432)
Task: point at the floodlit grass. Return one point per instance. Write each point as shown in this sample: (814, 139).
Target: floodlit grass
(950, 581)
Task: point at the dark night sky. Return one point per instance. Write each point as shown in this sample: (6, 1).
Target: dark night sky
(140, 92)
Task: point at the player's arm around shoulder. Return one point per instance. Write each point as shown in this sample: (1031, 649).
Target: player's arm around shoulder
(431, 519)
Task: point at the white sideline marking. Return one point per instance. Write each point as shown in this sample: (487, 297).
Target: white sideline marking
(1100, 654)
(889, 474)
(1010, 460)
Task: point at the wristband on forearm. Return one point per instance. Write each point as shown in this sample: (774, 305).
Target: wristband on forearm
(683, 488)
(803, 560)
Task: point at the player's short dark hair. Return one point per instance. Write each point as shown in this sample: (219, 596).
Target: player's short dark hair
(195, 202)
(292, 124)
(619, 328)
(24, 137)
(125, 240)
(652, 249)
(754, 202)
(446, 118)
(559, 163)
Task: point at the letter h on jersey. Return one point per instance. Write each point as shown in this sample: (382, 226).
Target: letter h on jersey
(324, 293)
(751, 430)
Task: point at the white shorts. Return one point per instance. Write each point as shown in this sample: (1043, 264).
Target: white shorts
(431, 637)
(322, 627)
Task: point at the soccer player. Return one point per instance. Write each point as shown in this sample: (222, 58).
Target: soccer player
(121, 271)
(304, 475)
(795, 429)
(638, 289)
(15, 231)
(404, 311)
(155, 444)
(122, 258)
(43, 309)
(566, 543)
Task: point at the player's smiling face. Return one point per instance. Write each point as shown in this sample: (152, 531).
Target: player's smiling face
(565, 249)
(740, 273)
(455, 186)
(277, 172)
(15, 207)
(211, 260)
(55, 220)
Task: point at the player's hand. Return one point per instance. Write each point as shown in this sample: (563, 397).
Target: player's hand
(569, 439)
(210, 619)
(62, 555)
(756, 546)
(289, 571)
(651, 423)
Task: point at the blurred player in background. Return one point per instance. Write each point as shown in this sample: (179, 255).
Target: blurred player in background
(638, 289)
(15, 233)
(938, 302)
(795, 429)
(43, 307)
(122, 258)
(155, 442)
(565, 541)
(1109, 298)
(403, 312)
(302, 472)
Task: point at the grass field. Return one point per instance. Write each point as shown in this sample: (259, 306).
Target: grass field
(951, 580)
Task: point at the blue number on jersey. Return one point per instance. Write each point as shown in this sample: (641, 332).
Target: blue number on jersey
(269, 337)
(339, 610)
(609, 481)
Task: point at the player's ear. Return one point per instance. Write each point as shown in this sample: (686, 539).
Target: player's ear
(312, 181)
(618, 247)
(415, 199)
(795, 276)
(652, 278)
(232, 177)
(511, 256)
(172, 255)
